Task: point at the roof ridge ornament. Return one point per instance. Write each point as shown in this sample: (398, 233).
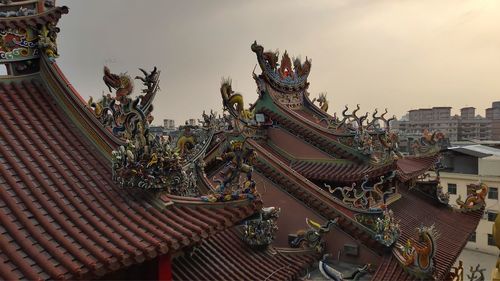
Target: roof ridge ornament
(282, 75)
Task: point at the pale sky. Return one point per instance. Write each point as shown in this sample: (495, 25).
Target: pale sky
(396, 54)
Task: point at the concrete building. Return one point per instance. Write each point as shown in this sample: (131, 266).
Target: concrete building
(471, 164)
(169, 124)
(464, 127)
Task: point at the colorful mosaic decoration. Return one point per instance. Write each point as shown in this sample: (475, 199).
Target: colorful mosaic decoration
(261, 231)
(231, 185)
(429, 143)
(387, 228)
(18, 44)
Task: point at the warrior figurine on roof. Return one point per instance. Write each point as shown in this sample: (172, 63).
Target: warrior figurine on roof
(239, 160)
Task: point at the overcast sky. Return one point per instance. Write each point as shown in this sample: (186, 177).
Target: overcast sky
(395, 54)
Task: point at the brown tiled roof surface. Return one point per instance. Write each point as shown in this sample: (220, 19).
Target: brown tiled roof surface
(411, 167)
(52, 15)
(310, 194)
(319, 139)
(61, 215)
(226, 257)
(338, 171)
(414, 209)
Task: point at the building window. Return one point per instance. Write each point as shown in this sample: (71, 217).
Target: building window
(472, 237)
(452, 188)
(493, 193)
(492, 216)
(491, 240)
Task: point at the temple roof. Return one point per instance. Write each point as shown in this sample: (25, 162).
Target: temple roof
(51, 15)
(454, 228)
(226, 257)
(62, 215)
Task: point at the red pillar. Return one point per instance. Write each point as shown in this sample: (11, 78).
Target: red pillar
(164, 268)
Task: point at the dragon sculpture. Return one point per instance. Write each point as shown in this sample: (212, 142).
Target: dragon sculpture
(311, 238)
(418, 258)
(233, 102)
(281, 75)
(476, 193)
(323, 102)
(366, 198)
(122, 113)
(429, 143)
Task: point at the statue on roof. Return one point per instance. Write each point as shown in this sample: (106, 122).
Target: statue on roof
(313, 237)
(323, 102)
(475, 200)
(233, 102)
(418, 258)
(230, 185)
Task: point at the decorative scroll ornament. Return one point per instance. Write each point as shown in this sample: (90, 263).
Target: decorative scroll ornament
(429, 143)
(312, 238)
(372, 137)
(418, 258)
(476, 273)
(366, 199)
(239, 160)
(476, 194)
(261, 231)
(281, 75)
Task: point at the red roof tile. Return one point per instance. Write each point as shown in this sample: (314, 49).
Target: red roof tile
(411, 167)
(226, 257)
(346, 172)
(62, 216)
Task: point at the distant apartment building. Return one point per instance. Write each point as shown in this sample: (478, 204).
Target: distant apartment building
(466, 126)
(191, 122)
(470, 164)
(169, 124)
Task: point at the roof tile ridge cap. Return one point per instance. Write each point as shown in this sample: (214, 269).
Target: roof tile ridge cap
(293, 251)
(8, 79)
(61, 9)
(186, 201)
